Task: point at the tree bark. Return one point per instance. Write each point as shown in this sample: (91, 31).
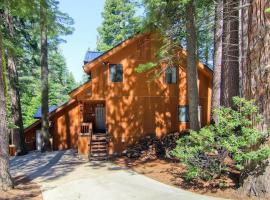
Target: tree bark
(255, 77)
(216, 95)
(44, 75)
(192, 74)
(5, 178)
(255, 62)
(16, 111)
(230, 52)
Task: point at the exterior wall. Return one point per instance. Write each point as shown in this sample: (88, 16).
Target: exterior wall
(30, 138)
(83, 144)
(65, 131)
(142, 104)
(66, 127)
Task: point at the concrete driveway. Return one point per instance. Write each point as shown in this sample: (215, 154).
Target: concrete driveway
(62, 175)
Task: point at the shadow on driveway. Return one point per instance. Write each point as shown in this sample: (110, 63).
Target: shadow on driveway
(47, 166)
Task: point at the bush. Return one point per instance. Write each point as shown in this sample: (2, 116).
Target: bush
(231, 142)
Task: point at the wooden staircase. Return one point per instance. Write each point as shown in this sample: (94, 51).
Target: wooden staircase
(99, 147)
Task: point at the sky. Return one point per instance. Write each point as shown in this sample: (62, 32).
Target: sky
(87, 18)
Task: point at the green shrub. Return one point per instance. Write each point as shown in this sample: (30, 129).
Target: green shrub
(231, 142)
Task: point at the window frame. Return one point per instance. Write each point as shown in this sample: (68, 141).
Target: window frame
(186, 107)
(173, 78)
(115, 79)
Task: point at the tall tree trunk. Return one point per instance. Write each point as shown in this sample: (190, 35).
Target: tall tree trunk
(5, 178)
(255, 57)
(192, 74)
(16, 111)
(216, 95)
(255, 77)
(230, 52)
(44, 75)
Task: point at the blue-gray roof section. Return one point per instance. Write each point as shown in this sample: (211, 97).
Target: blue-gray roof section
(37, 115)
(91, 55)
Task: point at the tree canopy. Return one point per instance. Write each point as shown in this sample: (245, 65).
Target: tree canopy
(119, 23)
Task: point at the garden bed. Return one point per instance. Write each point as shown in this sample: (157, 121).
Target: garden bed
(171, 173)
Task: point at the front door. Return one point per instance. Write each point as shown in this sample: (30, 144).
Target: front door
(100, 118)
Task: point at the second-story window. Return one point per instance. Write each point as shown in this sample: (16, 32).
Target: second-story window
(116, 72)
(170, 75)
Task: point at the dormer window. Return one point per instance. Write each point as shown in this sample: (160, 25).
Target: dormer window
(116, 72)
(170, 75)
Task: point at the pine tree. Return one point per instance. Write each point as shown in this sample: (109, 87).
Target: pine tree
(216, 96)
(13, 12)
(5, 178)
(192, 74)
(119, 23)
(16, 112)
(230, 52)
(44, 74)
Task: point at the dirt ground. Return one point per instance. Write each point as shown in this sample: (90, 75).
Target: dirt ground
(170, 173)
(23, 190)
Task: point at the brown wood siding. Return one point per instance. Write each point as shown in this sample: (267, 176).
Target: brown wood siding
(66, 128)
(141, 104)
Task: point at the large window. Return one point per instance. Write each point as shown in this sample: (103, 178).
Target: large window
(170, 75)
(183, 114)
(116, 72)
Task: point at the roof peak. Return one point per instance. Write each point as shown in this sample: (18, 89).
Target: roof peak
(91, 55)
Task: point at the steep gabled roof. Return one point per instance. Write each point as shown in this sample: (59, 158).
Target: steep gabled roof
(52, 113)
(105, 55)
(37, 115)
(91, 55)
(112, 51)
(78, 89)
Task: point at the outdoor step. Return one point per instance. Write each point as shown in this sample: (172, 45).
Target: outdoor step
(99, 147)
(99, 154)
(99, 143)
(96, 146)
(100, 135)
(98, 158)
(103, 150)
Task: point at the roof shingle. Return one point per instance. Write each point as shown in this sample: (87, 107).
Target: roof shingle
(91, 55)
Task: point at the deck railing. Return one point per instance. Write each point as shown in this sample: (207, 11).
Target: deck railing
(86, 128)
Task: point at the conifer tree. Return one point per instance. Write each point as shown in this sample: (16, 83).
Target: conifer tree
(5, 178)
(119, 23)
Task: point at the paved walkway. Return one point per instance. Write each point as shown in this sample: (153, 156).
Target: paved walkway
(62, 175)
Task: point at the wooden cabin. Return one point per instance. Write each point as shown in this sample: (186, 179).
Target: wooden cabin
(124, 105)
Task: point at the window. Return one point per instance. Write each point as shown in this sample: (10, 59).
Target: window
(183, 114)
(170, 75)
(116, 72)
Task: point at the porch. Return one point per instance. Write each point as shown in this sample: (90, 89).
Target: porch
(93, 138)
